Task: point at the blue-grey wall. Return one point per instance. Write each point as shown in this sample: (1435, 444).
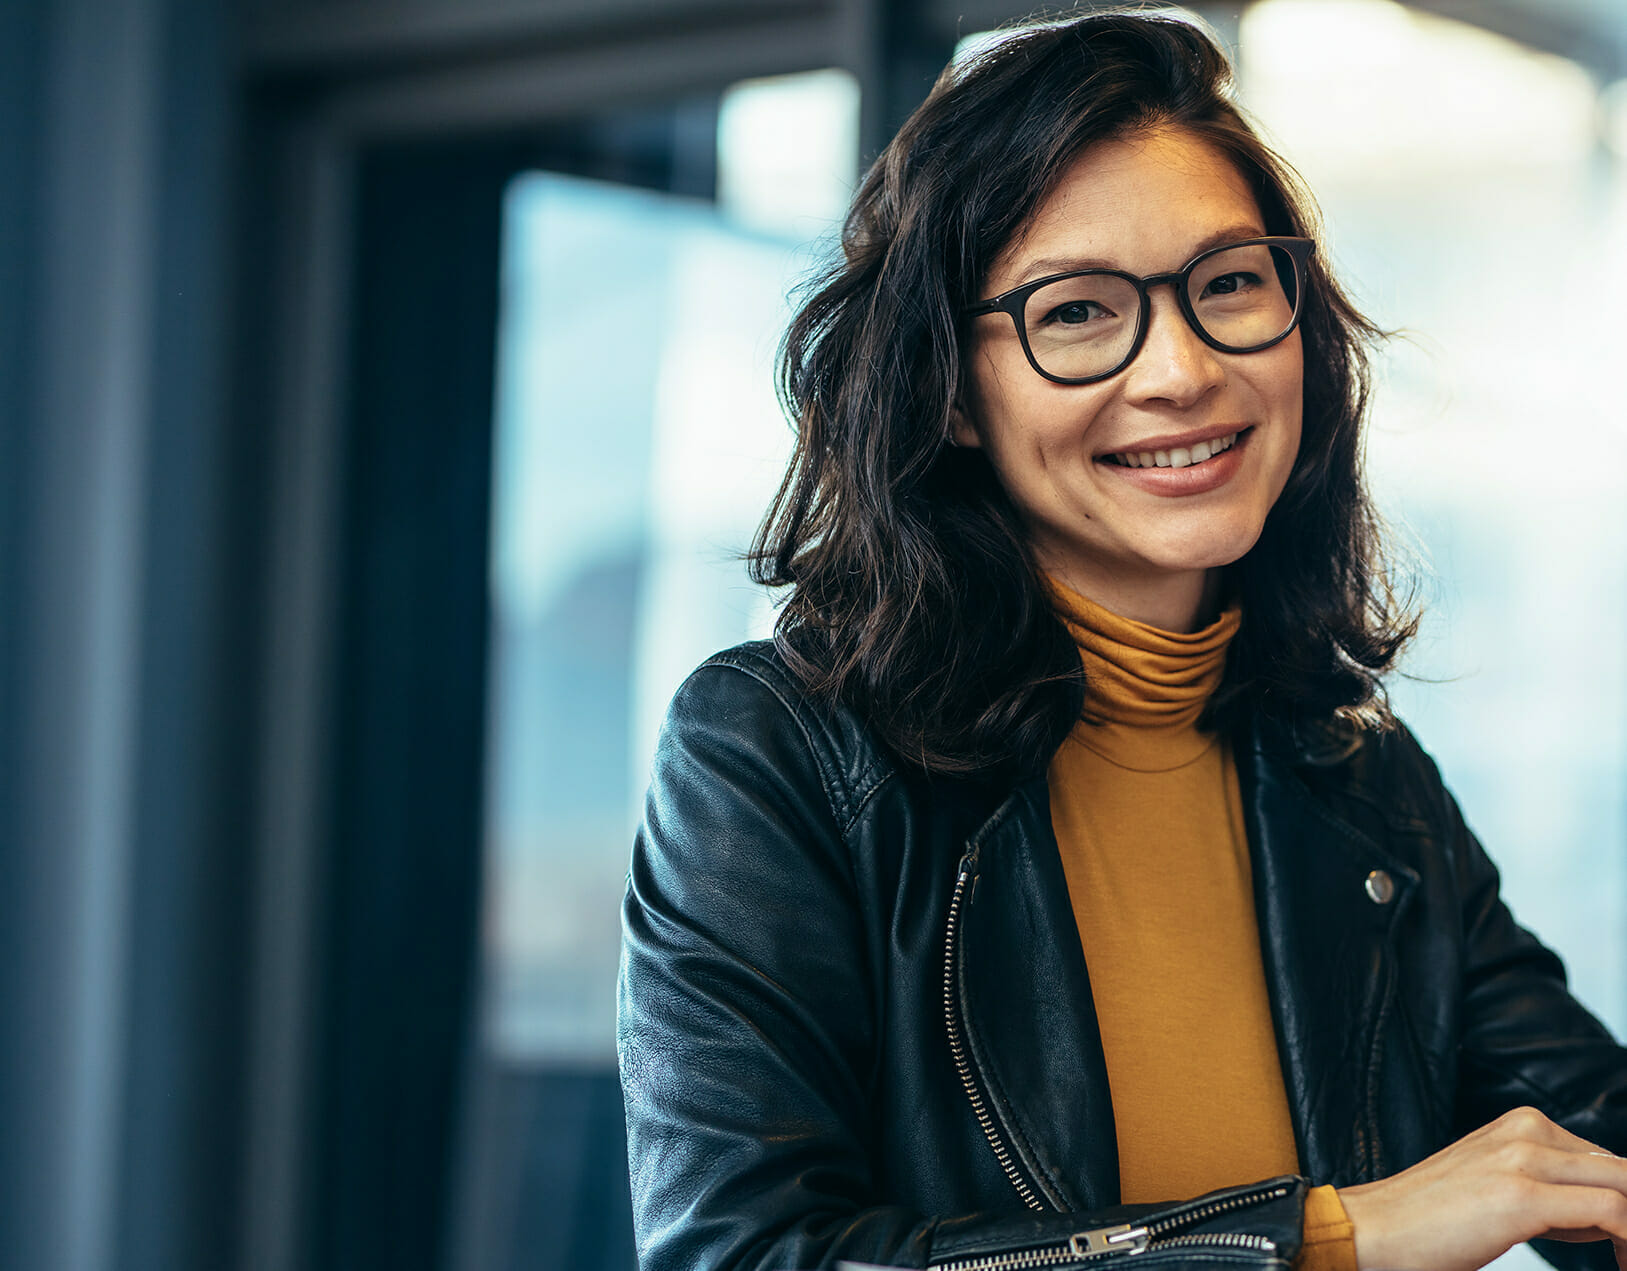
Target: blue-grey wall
(120, 909)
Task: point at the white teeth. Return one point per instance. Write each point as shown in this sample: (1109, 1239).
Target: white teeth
(1179, 457)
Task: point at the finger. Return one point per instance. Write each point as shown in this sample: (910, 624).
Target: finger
(1564, 1208)
(1576, 1169)
(1576, 1143)
(1580, 1236)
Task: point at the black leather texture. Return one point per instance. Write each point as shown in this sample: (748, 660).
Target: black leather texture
(845, 983)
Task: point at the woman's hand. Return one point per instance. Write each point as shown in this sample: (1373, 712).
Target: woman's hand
(1519, 1177)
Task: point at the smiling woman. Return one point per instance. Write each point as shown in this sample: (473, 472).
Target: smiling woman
(1057, 883)
(1144, 540)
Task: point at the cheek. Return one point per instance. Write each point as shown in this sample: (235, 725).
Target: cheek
(1001, 409)
(982, 407)
(1279, 373)
(1293, 406)
(1041, 434)
(1281, 387)
(1286, 395)
(1024, 422)
(1292, 372)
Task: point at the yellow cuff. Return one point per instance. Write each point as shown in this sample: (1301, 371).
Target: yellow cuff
(1330, 1236)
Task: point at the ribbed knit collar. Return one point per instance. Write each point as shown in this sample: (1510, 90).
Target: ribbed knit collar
(1144, 687)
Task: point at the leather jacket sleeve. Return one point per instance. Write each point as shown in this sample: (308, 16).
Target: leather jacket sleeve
(1477, 1018)
(748, 1022)
(1522, 1038)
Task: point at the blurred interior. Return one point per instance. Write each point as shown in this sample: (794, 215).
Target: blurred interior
(386, 397)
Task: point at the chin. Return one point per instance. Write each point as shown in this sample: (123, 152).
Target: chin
(1207, 551)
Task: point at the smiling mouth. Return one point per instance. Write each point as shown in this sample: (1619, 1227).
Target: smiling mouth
(1181, 457)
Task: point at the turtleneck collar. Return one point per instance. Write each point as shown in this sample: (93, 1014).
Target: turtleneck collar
(1144, 687)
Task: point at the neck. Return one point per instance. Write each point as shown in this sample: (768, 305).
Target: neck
(1183, 602)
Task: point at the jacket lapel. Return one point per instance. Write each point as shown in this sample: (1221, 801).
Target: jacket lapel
(1329, 966)
(1028, 1013)
(1328, 958)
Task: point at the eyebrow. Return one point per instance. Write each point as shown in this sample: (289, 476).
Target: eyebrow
(1048, 265)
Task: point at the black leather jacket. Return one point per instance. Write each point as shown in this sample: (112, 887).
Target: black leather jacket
(856, 1022)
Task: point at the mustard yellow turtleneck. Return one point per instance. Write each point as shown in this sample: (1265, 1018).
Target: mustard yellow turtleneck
(1149, 822)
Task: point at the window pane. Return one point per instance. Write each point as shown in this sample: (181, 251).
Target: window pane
(1495, 238)
(638, 442)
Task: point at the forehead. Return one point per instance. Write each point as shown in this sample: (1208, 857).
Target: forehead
(1140, 203)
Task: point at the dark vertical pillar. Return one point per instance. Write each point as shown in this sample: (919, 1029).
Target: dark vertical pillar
(898, 47)
(24, 1003)
(403, 856)
(77, 426)
(179, 1158)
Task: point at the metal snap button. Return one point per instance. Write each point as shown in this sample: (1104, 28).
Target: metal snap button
(1380, 887)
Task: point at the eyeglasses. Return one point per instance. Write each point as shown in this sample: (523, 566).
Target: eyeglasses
(1085, 326)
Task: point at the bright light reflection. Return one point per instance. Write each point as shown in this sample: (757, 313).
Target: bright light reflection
(1409, 92)
(786, 152)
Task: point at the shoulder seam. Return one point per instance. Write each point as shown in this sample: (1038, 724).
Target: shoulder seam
(847, 800)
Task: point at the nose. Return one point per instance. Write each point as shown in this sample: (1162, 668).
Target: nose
(1174, 364)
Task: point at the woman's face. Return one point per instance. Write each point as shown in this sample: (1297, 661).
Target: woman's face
(1141, 541)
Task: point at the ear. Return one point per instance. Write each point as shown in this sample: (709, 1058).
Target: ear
(962, 432)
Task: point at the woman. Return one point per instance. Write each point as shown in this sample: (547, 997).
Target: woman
(1059, 863)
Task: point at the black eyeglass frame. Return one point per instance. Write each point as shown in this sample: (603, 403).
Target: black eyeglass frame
(1015, 301)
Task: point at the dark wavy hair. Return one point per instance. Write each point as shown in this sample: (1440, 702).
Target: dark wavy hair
(915, 597)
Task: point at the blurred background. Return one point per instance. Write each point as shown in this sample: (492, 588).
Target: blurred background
(384, 402)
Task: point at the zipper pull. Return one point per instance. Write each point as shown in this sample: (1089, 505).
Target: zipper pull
(1122, 1239)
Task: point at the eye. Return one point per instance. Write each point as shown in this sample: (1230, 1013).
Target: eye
(1076, 312)
(1232, 284)
(1081, 307)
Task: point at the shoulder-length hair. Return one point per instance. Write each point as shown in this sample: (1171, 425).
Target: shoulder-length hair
(915, 597)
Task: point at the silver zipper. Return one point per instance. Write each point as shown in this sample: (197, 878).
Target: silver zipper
(957, 1048)
(1081, 1245)
(1186, 1215)
(1130, 1238)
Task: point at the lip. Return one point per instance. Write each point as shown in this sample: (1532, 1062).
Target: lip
(1176, 441)
(1199, 478)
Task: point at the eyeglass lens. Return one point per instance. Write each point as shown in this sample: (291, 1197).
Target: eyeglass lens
(1242, 297)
